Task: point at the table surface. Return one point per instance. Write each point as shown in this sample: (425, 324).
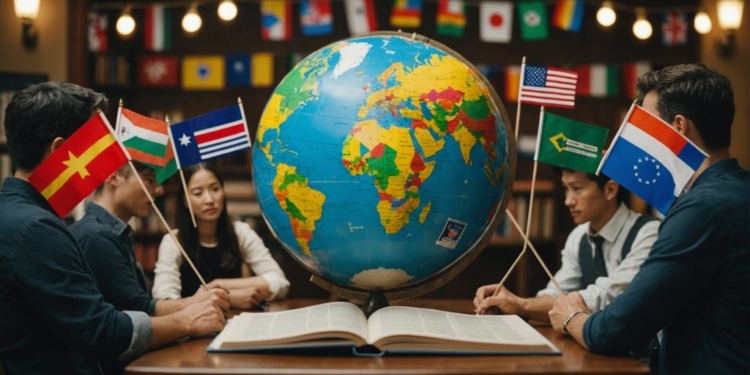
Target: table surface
(190, 357)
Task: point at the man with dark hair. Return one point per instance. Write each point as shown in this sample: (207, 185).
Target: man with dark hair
(54, 320)
(694, 284)
(602, 254)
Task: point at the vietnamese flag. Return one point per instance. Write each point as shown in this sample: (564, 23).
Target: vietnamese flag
(79, 165)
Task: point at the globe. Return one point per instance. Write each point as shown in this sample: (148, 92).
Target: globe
(382, 164)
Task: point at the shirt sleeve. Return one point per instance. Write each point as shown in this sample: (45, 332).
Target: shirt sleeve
(167, 284)
(113, 270)
(569, 275)
(666, 284)
(51, 272)
(257, 255)
(142, 335)
(606, 289)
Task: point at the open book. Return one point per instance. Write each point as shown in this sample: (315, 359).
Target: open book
(391, 329)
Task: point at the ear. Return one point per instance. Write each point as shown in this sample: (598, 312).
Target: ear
(113, 179)
(610, 190)
(56, 143)
(682, 124)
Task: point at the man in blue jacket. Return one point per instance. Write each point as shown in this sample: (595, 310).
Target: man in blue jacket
(52, 317)
(694, 286)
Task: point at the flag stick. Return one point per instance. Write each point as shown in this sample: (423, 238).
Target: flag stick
(182, 178)
(117, 121)
(518, 109)
(164, 222)
(531, 206)
(533, 249)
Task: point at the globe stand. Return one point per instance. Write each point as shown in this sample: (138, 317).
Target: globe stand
(375, 301)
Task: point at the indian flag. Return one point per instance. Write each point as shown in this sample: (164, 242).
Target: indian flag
(144, 138)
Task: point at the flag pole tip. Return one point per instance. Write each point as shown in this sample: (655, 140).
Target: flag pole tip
(239, 100)
(166, 119)
(120, 104)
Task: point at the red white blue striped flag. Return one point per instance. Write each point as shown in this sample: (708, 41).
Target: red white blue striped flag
(550, 87)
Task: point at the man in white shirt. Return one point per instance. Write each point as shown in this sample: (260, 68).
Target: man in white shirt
(601, 255)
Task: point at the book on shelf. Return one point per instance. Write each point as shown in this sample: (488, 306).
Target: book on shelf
(392, 329)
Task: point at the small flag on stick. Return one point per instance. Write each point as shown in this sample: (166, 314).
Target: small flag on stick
(569, 144)
(546, 86)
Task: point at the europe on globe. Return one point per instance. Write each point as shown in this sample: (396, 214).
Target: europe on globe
(382, 162)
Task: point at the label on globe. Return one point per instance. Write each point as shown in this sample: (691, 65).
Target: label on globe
(452, 232)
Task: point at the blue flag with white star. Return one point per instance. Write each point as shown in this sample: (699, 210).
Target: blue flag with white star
(209, 136)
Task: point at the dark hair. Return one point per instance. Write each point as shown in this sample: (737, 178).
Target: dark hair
(623, 195)
(228, 246)
(40, 113)
(697, 92)
(125, 171)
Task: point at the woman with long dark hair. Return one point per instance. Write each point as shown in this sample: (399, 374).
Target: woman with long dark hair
(217, 247)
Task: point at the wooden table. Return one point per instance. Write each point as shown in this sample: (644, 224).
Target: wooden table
(190, 357)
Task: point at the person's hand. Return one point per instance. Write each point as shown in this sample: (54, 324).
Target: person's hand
(505, 302)
(563, 307)
(215, 284)
(203, 318)
(218, 296)
(245, 298)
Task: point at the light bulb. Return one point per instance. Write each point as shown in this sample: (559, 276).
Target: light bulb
(702, 23)
(227, 10)
(192, 22)
(606, 16)
(642, 28)
(729, 13)
(125, 24)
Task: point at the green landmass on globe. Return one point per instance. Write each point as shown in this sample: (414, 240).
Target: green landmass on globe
(380, 161)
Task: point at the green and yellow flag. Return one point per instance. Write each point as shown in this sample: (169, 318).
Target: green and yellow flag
(569, 144)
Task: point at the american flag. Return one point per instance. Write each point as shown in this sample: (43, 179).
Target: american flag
(548, 86)
(209, 136)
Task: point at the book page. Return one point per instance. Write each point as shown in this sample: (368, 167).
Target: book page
(491, 329)
(258, 329)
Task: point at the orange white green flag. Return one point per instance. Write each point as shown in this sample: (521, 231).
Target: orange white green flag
(79, 165)
(144, 138)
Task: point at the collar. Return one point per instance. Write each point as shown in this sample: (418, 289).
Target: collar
(14, 185)
(105, 217)
(610, 230)
(717, 169)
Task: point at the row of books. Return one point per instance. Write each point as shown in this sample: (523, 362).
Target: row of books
(542, 218)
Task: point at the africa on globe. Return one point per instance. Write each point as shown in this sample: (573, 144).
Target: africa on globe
(382, 162)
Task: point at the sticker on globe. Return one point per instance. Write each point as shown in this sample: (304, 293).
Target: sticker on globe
(452, 232)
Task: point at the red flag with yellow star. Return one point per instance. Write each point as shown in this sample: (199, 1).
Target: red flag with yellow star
(79, 165)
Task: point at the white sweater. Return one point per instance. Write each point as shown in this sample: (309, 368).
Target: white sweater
(167, 284)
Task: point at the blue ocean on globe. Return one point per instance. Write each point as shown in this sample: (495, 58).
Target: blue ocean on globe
(381, 160)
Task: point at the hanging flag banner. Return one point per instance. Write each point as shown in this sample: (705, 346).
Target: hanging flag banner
(533, 19)
(496, 21)
(598, 80)
(630, 73)
(158, 71)
(406, 13)
(674, 28)
(261, 69)
(97, 32)
(316, 17)
(157, 28)
(275, 20)
(238, 69)
(512, 82)
(451, 18)
(203, 72)
(569, 144)
(568, 15)
(651, 159)
(360, 16)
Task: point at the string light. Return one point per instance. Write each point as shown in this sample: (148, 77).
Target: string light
(125, 24)
(702, 23)
(642, 28)
(227, 10)
(192, 21)
(606, 16)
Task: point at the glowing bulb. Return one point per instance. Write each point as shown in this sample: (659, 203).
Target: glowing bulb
(606, 16)
(642, 28)
(729, 13)
(192, 22)
(125, 24)
(702, 23)
(227, 10)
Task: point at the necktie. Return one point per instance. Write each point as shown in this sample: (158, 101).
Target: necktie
(599, 267)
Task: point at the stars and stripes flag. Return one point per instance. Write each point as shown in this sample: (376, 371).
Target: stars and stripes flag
(210, 136)
(547, 86)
